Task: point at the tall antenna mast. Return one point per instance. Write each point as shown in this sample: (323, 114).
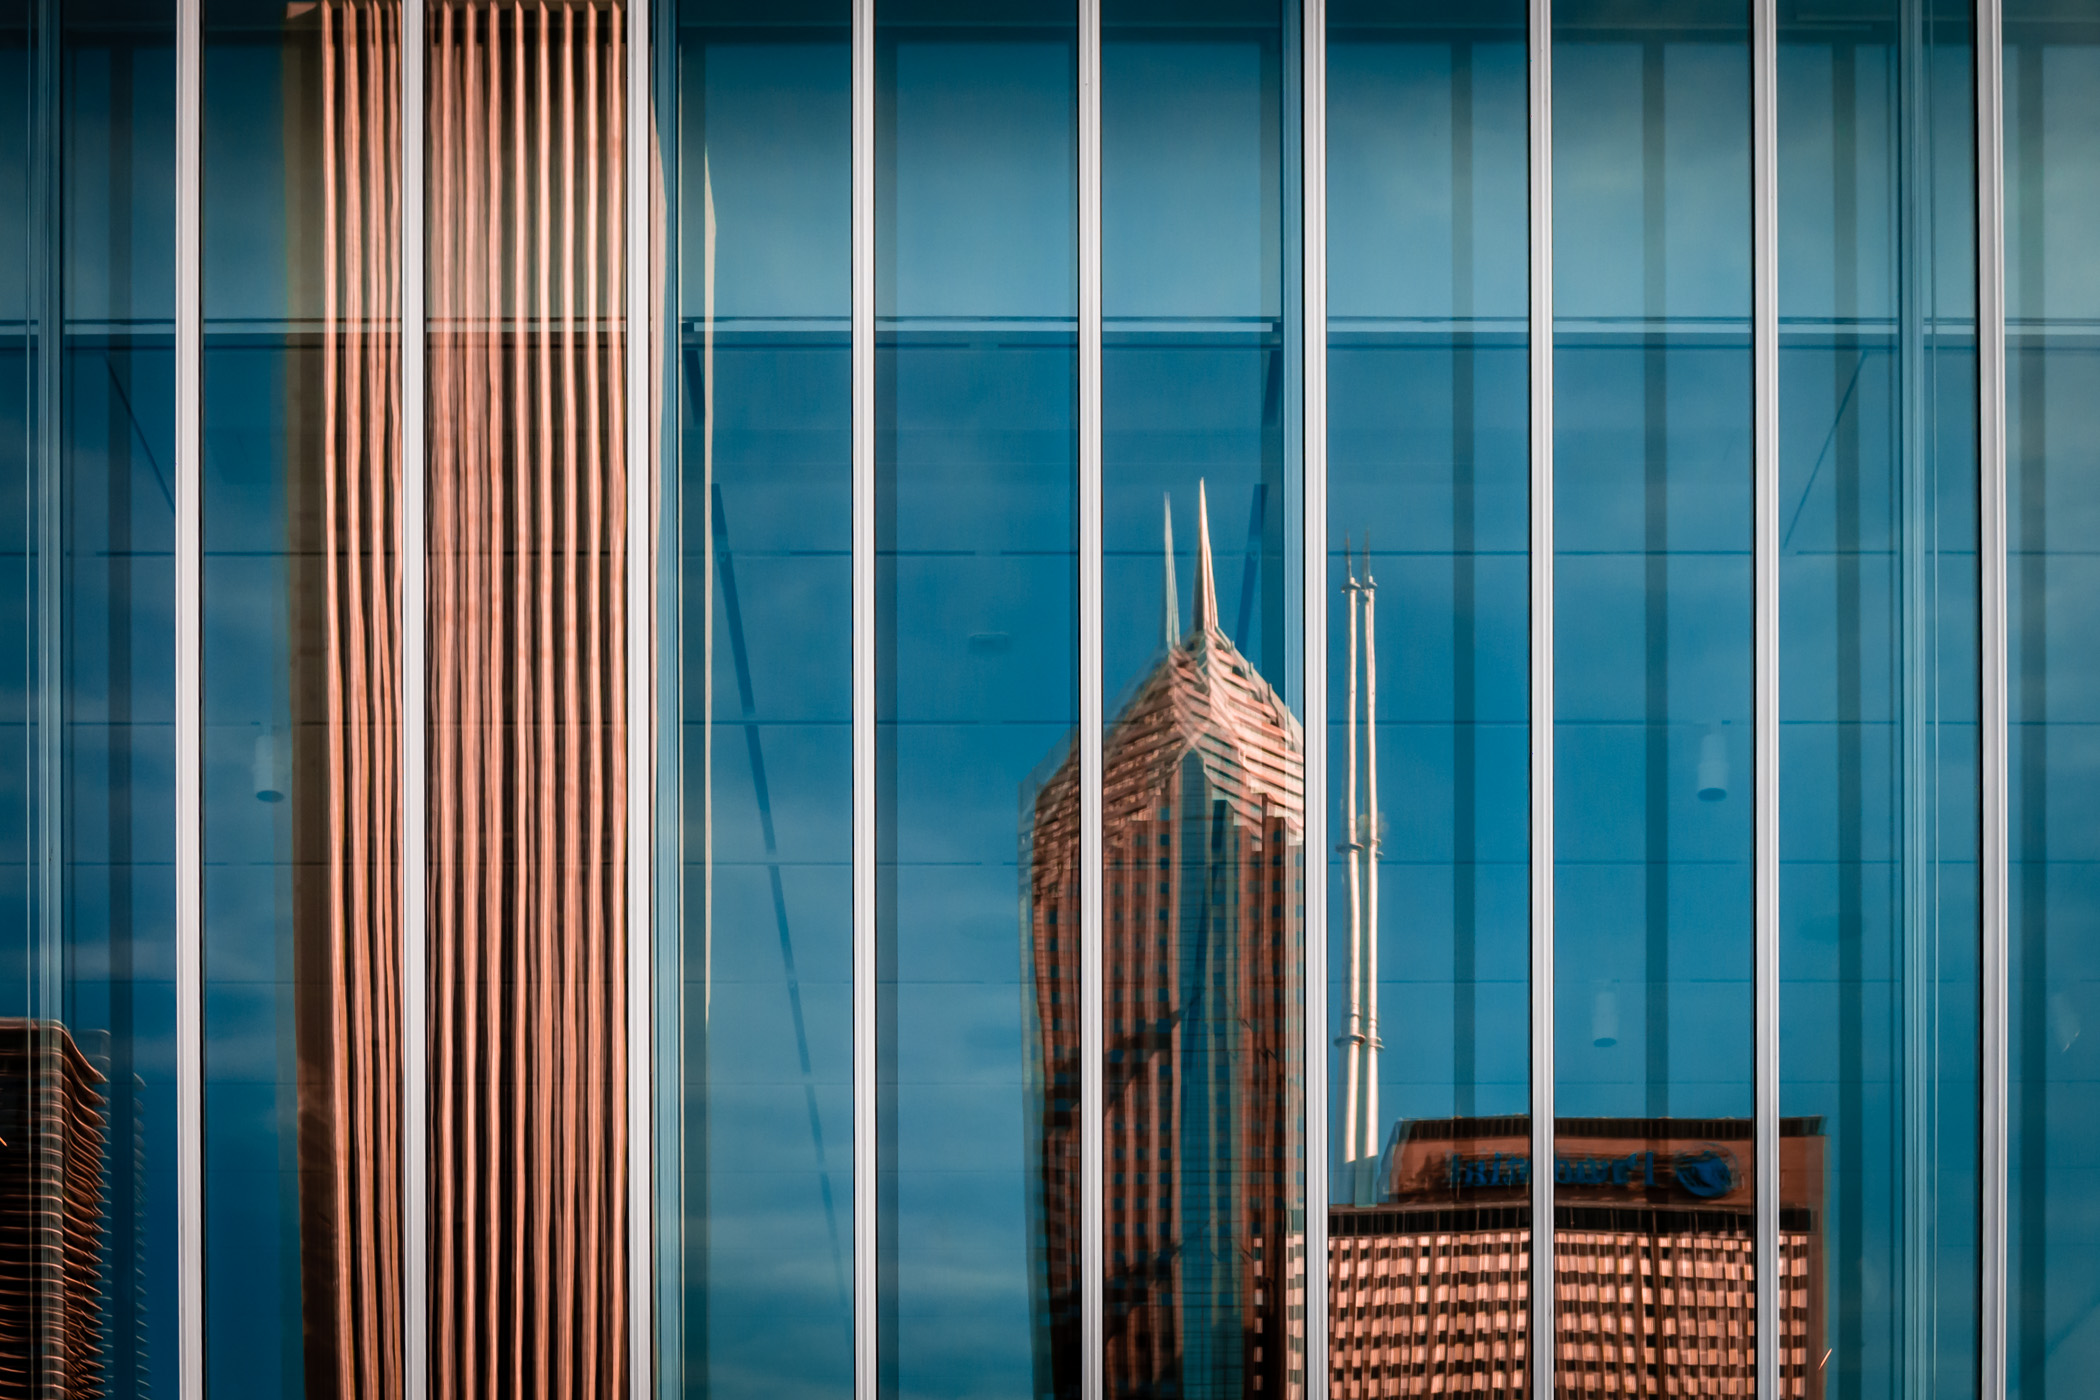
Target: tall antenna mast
(1369, 843)
(1352, 1040)
(1172, 620)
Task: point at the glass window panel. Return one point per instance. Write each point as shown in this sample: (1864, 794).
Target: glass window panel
(2052, 282)
(1878, 669)
(764, 496)
(118, 426)
(1428, 886)
(1203, 811)
(976, 649)
(300, 653)
(21, 541)
(1652, 500)
(87, 1000)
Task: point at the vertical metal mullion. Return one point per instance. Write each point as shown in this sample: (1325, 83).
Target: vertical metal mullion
(1541, 331)
(415, 907)
(640, 465)
(1764, 339)
(864, 931)
(1992, 712)
(1314, 303)
(1092, 1102)
(189, 927)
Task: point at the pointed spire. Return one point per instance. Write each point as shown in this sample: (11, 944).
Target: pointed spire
(1172, 608)
(1206, 604)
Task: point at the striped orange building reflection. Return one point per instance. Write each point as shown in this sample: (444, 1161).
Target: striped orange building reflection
(1655, 1269)
(527, 517)
(1203, 951)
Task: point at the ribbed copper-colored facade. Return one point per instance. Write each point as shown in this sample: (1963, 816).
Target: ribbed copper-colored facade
(527, 518)
(1204, 846)
(348, 791)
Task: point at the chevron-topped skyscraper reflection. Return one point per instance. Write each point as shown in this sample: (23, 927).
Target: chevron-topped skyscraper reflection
(1203, 819)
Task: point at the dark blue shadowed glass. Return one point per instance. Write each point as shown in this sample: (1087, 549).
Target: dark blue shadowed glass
(1428, 642)
(87, 819)
(762, 1244)
(1878, 672)
(1652, 670)
(976, 496)
(2052, 290)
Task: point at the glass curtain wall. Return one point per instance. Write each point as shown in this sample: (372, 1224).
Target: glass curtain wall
(1429, 740)
(1652, 499)
(87, 1003)
(976, 642)
(301, 654)
(1878, 668)
(2052, 286)
(760, 487)
(1203, 808)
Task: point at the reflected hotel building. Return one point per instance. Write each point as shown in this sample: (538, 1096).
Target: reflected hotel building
(1655, 1282)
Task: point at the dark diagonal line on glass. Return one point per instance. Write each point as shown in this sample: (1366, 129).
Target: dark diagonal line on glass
(1821, 457)
(733, 612)
(124, 397)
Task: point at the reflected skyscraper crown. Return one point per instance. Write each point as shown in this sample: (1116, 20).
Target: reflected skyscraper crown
(1203, 822)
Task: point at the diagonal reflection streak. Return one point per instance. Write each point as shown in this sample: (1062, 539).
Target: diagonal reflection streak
(733, 613)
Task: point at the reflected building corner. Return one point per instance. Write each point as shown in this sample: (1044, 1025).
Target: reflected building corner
(54, 1216)
(1203, 839)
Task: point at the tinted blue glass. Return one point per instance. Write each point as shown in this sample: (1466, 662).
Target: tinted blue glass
(1429, 469)
(976, 540)
(2052, 280)
(1203, 816)
(86, 796)
(1652, 494)
(118, 408)
(298, 627)
(1878, 669)
(21, 544)
(1428, 499)
(765, 495)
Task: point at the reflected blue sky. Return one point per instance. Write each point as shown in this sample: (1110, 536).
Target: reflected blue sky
(976, 539)
(764, 1151)
(1878, 669)
(1429, 469)
(1652, 537)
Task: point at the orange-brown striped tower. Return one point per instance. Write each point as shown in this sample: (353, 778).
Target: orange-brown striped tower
(1203, 838)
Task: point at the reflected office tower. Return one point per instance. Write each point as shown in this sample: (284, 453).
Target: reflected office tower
(52, 1215)
(1203, 822)
(1360, 842)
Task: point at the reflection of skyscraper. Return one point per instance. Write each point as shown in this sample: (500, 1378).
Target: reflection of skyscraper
(52, 1131)
(1203, 847)
(1656, 1279)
